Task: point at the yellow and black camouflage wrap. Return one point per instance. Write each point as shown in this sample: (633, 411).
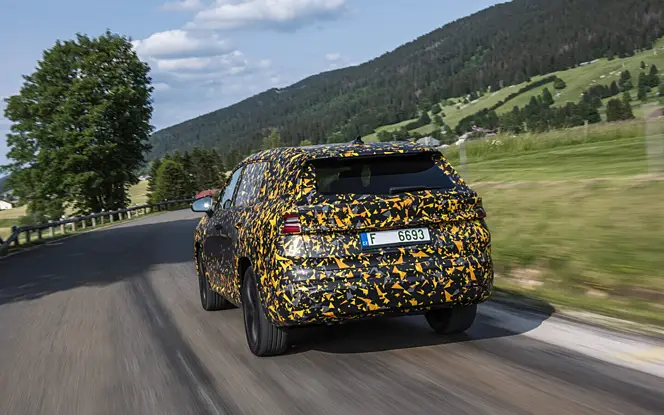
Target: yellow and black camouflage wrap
(322, 274)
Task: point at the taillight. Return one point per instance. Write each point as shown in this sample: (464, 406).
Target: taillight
(291, 223)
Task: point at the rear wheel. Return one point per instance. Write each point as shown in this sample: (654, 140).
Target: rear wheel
(263, 337)
(210, 300)
(452, 320)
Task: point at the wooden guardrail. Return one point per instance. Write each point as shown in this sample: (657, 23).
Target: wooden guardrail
(81, 222)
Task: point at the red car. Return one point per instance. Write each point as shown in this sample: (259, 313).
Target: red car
(210, 192)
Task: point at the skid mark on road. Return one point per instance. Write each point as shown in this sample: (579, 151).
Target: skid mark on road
(185, 363)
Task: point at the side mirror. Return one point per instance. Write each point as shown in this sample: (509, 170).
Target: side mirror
(203, 205)
(227, 204)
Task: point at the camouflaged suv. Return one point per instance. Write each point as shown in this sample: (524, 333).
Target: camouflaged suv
(325, 234)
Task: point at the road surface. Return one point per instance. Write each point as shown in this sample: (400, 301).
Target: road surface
(109, 322)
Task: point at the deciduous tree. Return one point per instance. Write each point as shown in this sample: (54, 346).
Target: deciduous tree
(80, 126)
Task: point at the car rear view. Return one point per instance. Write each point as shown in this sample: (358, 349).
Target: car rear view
(383, 232)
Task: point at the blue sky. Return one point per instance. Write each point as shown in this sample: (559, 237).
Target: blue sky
(208, 54)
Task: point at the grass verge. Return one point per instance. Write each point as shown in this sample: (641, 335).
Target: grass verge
(592, 245)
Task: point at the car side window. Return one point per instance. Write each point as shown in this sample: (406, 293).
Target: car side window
(251, 184)
(230, 189)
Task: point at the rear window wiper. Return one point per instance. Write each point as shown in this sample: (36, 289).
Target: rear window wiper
(403, 189)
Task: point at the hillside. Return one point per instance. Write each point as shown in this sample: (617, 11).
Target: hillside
(578, 79)
(503, 45)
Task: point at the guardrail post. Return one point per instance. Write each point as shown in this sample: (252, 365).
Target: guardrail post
(94, 222)
(111, 218)
(63, 229)
(85, 223)
(129, 214)
(16, 241)
(50, 230)
(27, 236)
(39, 234)
(73, 226)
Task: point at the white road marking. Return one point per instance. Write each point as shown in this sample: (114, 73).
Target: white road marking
(641, 354)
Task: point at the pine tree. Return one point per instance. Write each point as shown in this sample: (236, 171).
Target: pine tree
(424, 119)
(547, 98)
(643, 95)
(154, 168)
(627, 97)
(652, 80)
(436, 109)
(171, 182)
(614, 88)
(613, 110)
(627, 113)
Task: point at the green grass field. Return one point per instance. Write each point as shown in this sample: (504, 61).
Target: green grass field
(576, 220)
(609, 150)
(577, 79)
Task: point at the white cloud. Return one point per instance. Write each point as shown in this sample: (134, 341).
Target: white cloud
(233, 14)
(181, 44)
(332, 57)
(161, 86)
(183, 5)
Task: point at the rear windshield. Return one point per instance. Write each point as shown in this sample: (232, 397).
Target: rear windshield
(381, 175)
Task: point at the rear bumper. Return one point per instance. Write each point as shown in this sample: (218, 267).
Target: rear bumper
(315, 296)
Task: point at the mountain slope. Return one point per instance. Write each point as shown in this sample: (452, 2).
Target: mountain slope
(502, 45)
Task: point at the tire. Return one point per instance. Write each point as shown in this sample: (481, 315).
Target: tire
(210, 300)
(263, 338)
(451, 320)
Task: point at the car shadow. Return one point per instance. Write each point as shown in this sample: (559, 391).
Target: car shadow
(494, 320)
(101, 257)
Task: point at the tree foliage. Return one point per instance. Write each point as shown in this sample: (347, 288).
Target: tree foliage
(538, 116)
(81, 125)
(171, 183)
(559, 84)
(152, 181)
(618, 110)
(547, 98)
(503, 45)
(273, 140)
(202, 169)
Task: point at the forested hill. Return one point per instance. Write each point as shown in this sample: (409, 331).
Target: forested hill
(502, 45)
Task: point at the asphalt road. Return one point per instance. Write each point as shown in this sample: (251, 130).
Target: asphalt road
(109, 322)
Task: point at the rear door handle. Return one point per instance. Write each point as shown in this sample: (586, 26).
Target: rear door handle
(218, 226)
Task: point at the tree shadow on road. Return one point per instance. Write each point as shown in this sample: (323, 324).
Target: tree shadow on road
(97, 258)
(393, 333)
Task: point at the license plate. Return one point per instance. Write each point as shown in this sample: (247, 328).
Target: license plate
(395, 237)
